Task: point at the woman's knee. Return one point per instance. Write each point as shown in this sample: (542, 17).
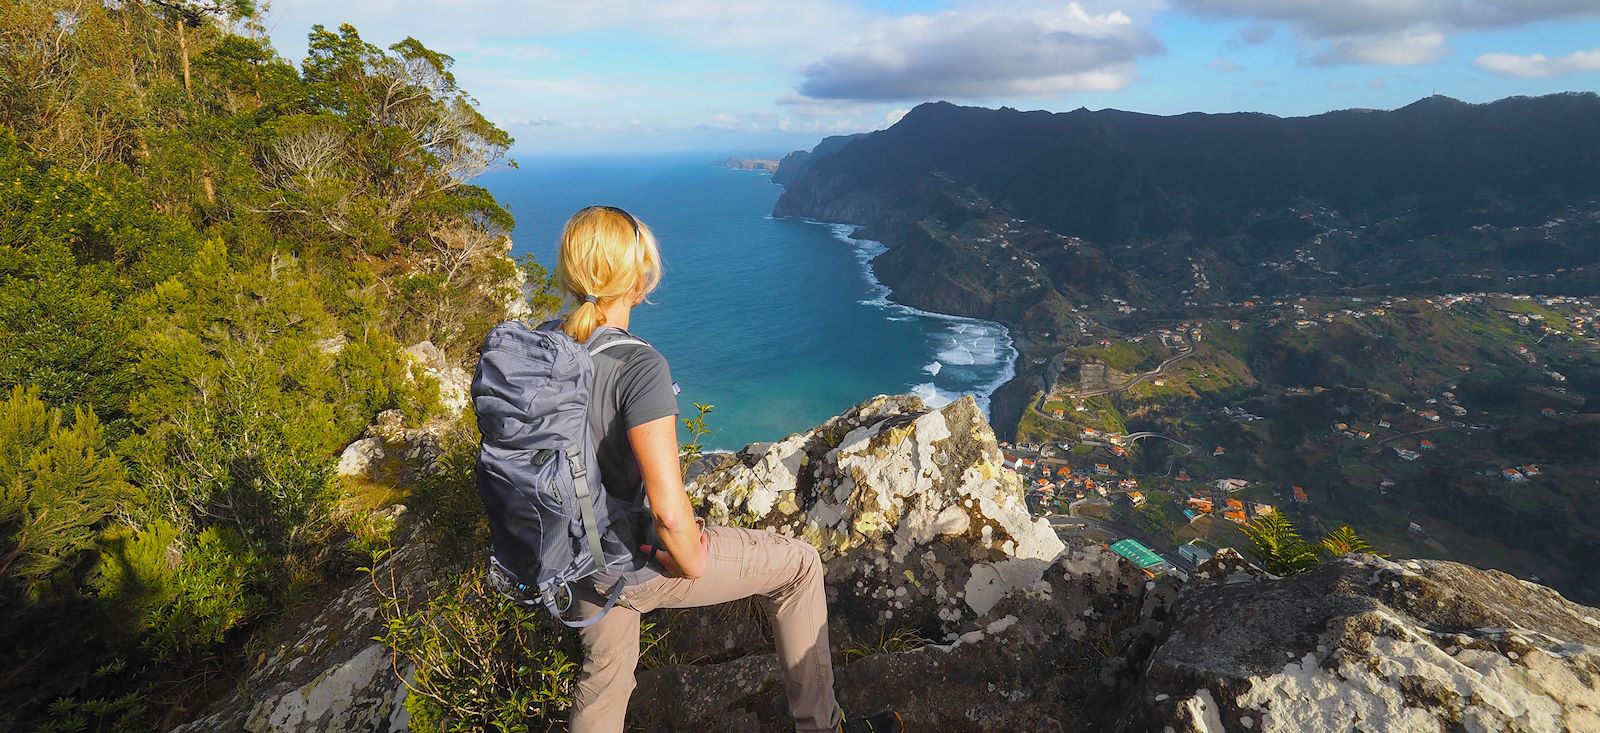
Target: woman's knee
(810, 559)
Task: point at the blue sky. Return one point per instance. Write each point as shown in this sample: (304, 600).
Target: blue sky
(768, 76)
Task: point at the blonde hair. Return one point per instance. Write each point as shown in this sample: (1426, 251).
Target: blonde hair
(606, 253)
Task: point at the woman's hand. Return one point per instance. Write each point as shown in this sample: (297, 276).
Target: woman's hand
(655, 446)
(661, 555)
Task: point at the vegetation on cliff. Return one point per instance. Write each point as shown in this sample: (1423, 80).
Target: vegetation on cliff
(210, 259)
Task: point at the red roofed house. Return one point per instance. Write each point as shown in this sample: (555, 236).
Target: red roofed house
(1300, 495)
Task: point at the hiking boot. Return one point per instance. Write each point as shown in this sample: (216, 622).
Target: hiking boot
(885, 722)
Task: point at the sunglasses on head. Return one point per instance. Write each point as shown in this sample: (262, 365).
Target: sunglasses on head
(617, 209)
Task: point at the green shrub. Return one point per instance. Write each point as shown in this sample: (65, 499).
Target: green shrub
(58, 491)
(483, 661)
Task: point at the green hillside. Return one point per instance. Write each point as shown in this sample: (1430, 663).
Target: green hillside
(1321, 393)
(211, 260)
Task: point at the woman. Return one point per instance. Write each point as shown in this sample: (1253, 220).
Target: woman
(609, 262)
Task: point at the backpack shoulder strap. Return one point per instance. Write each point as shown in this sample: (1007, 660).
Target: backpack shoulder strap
(609, 336)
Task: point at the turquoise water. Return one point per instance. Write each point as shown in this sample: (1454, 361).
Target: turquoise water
(776, 322)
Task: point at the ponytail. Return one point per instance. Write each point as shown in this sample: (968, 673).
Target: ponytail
(583, 320)
(605, 254)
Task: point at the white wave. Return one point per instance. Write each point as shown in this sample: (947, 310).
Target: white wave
(932, 396)
(957, 356)
(973, 342)
(932, 368)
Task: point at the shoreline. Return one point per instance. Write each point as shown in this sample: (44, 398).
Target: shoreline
(867, 250)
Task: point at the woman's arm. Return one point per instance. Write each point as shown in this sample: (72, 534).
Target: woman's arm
(655, 445)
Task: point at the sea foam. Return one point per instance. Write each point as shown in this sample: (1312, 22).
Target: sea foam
(979, 354)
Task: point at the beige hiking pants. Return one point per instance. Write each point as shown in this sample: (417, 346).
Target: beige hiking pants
(742, 563)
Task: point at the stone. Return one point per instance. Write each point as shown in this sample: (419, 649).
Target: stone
(1365, 643)
(361, 457)
(326, 673)
(1031, 664)
(894, 495)
(455, 383)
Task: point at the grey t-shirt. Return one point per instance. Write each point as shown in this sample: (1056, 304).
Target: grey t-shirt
(632, 386)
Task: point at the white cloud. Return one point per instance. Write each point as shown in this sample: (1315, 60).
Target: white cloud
(515, 52)
(1222, 64)
(1387, 32)
(1538, 65)
(779, 28)
(893, 117)
(983, 52)
(800, 105)
(1396, 49)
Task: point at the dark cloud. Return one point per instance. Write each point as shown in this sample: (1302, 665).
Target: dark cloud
(1325, 18)
(1254, 34)
(1387, 32)
(983, 54)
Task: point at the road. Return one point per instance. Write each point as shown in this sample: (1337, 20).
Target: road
(1452, 426)
(1156, 372)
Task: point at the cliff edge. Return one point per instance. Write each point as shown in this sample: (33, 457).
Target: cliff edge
(949, 602)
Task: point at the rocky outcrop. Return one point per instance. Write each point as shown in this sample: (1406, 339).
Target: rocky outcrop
(917, 520)
(1365, 644)
(950, 604)
(391, 454)
(455, 383)
(1058, 657)
(326, 673)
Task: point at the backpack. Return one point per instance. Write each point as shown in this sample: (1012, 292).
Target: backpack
(549, 514)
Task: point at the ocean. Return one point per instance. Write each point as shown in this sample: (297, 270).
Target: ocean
(777, 323)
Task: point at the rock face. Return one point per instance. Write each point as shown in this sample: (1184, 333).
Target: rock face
(390, 453)
(455, 384)
(1056, 658)
(326, 674)
(950, 604)
(917, 520)
(1365, 644)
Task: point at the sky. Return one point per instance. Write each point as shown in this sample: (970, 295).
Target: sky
(763, 77)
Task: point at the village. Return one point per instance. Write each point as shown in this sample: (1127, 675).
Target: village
(1081, 469)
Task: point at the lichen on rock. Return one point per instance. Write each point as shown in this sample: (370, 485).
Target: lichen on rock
(1364, 643)
(908, 501)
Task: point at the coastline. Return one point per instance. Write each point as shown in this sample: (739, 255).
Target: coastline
(866, 250)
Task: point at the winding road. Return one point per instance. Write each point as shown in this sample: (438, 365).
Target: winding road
(1156, 372)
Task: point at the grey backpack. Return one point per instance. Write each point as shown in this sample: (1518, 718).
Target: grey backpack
(549, 515)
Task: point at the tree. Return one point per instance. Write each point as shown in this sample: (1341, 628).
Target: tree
(1278, 544)
(191, 14)
(58, 488)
